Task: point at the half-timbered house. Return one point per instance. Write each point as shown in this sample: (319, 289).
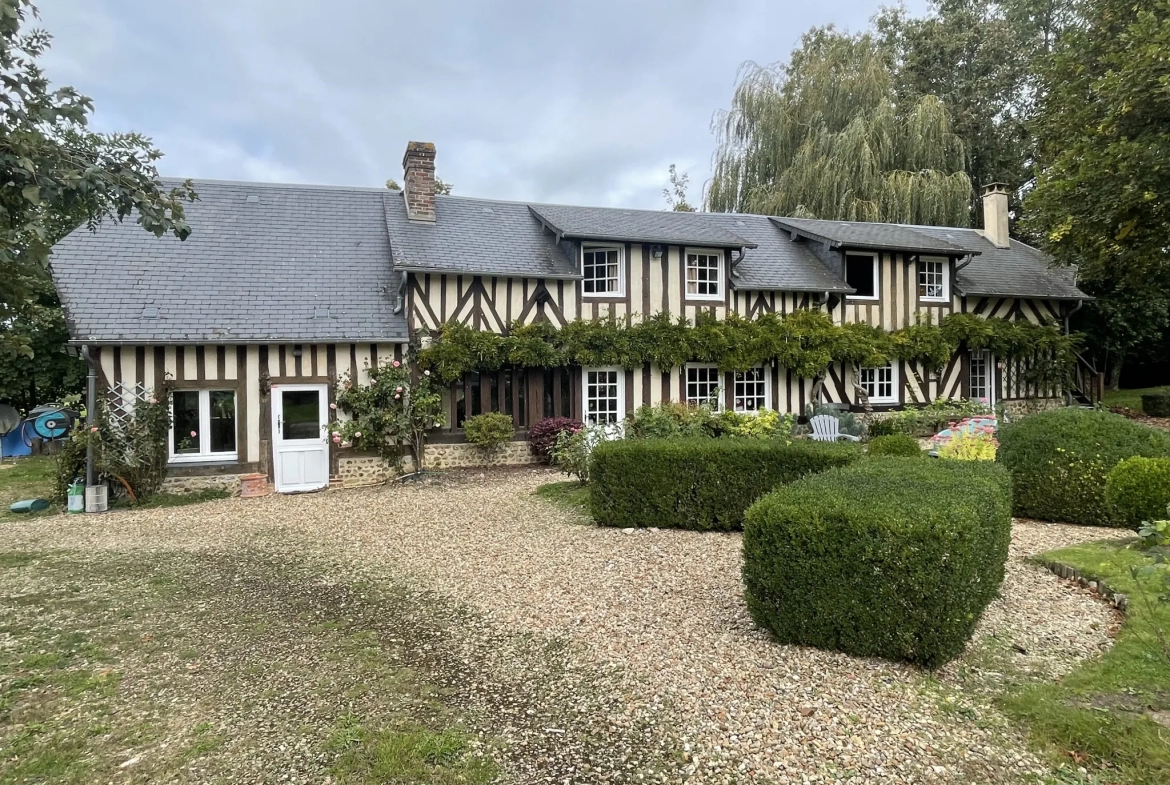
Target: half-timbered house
(282, 290)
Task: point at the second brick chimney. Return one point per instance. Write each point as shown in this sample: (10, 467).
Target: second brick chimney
(995, 214)
(418, 167)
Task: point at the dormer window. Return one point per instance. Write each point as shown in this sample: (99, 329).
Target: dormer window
(704, 274)
(861, 273)
(933, 273)
(602, 269)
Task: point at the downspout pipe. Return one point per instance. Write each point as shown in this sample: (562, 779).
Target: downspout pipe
(735, 262)
(1068, 316)
(90, 409)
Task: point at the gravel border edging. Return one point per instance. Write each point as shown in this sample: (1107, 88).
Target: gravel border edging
(1115, 598)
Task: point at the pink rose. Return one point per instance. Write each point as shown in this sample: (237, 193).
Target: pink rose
(357, 435)
(93, 429)
(396, 396)
(332, 406)
(337, 440)
(396, 363)
(154, 400)
(193, 434)
(398, 389)
(337, 433)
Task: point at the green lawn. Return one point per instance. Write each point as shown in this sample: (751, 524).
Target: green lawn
(571, 495)
(1112, 715)
(1130, 398)
(26, 478)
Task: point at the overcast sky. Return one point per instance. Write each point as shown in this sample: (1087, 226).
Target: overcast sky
(577, 102)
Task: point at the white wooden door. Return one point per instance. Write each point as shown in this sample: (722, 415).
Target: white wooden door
(300, 437)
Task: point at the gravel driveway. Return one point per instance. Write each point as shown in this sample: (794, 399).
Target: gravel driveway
(659, 618)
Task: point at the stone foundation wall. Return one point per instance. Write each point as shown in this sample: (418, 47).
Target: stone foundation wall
(447, 456)
(1023, 406)
(224, 482)
(356, 469)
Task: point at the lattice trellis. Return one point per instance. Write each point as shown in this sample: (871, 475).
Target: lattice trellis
(121, 401)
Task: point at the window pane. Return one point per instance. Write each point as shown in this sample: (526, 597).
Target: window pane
(301, 414)
(186, 421)
(223, 420)
(859, 273)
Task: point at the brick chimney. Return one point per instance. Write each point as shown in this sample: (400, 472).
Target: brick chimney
(995, 214)
(419, 181)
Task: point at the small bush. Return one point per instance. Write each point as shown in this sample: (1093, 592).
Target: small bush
(897, 444)
(670, 419)
(1156, 404)
(882, 427)
(969, 446)
(698, 483)
(543, 435)
(1138, 489)
(894, 558)
(488, 430)
(764, 424)
(1059, 461)
(573, 449)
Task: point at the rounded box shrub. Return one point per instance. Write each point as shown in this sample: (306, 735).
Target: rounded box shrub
(697, 483)
(1138, 489)
(1156, 404)
(543, 435)
(1059, 460)
(894, 558)
(489, 430)
(897, 444)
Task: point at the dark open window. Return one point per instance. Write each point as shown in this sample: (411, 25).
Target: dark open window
(861, 274)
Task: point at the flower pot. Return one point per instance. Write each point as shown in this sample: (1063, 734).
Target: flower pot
(252, 485)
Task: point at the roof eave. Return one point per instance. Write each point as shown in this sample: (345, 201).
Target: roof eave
(490, 273)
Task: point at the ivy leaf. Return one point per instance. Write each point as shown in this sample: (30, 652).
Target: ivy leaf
(32, 193)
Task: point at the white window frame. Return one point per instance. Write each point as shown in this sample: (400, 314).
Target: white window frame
(894, 382)
(621, 272)
(945, 265)
(620, 398)
(989, 369)
(737, 399)
(205, 455)
(877, 278)
(716, 401)
(719, 282)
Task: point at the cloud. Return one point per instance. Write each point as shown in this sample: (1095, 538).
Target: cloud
(577, 102)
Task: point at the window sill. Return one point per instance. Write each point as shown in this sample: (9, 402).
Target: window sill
(204, 460)
(943, 300)
(862, 299)
(599, 297)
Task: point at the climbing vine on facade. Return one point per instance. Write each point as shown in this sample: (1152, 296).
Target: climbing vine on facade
(807, 342)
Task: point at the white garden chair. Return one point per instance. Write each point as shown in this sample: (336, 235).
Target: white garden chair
(827, 428)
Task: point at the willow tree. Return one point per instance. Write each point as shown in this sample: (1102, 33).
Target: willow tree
(823, 136)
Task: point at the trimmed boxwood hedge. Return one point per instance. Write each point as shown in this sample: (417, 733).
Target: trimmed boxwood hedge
(894, 558)
(1156, 404)
(1059, 460)
(1138, 489)
(897, 444)
(697, 483)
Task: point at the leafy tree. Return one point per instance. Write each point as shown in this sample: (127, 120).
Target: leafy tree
(57, 174)
(46, 373)
(823, 136)
(440, 186)
(1102, 194)
(676, 193)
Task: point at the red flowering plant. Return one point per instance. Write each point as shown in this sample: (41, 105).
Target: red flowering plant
(391, 410)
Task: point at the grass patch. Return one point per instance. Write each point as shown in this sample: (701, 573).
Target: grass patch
(408, 754)
(1131, 399)
(570, 495)
(173, 499)
(31, 477)
(1111, 715)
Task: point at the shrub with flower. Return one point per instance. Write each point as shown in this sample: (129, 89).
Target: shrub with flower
(970, 439)
(391, 411)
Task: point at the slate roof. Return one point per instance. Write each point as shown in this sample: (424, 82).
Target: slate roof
(1018, 271)
(296, 263)
(878, 236)
(636, 226)
(475, 236)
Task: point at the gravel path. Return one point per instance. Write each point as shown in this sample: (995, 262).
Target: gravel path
(666, 609)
